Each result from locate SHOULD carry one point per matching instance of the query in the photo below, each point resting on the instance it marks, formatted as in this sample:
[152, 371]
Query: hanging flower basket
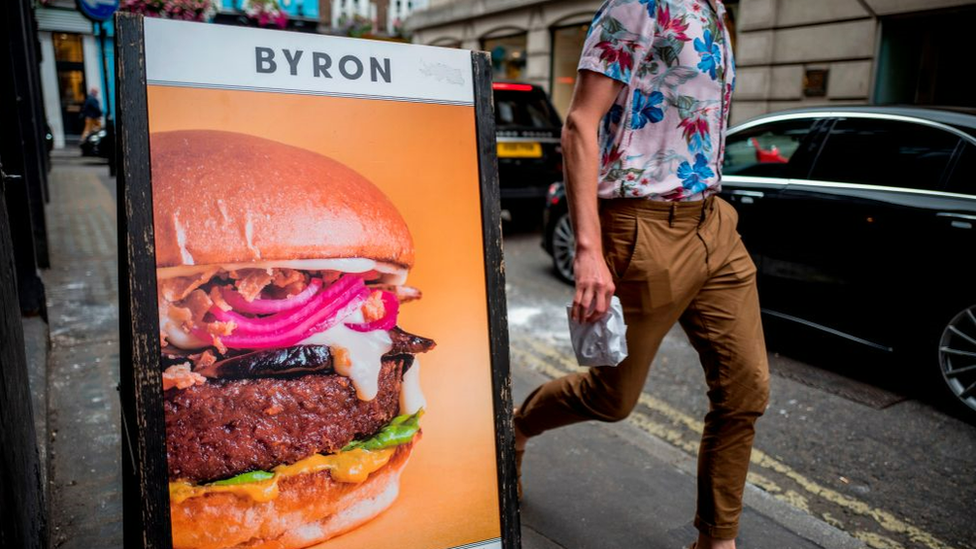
[186, 10]
[266, 13]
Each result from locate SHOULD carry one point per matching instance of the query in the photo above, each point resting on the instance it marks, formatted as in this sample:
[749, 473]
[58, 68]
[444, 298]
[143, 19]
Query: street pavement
[839, 463]
[848, 439]
[85, 477]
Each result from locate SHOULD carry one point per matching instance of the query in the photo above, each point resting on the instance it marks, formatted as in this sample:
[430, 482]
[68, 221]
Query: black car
[529, 155]
[557, 232]
[861, 221]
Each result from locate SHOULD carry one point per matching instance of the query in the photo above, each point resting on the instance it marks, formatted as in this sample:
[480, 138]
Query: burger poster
[324, 347]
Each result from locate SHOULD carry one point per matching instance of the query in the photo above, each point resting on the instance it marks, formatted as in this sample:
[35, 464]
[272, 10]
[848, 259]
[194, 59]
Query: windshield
[524, 109]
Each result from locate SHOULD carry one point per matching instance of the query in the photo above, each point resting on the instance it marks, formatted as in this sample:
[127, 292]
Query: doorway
[69, 60]
[923, 59]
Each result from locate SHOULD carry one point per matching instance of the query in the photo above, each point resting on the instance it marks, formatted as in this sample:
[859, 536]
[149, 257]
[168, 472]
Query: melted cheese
[365, 351]
[411, 396]
[353, 466]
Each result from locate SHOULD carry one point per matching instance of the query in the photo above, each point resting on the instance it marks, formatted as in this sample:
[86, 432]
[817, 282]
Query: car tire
[562, 243]
[956, 347]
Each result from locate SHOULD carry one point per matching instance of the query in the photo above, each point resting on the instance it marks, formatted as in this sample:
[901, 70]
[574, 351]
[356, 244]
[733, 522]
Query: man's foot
[708, 542]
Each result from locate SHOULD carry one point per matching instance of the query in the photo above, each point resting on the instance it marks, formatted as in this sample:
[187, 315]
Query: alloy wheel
[957, 356]
[563, 248]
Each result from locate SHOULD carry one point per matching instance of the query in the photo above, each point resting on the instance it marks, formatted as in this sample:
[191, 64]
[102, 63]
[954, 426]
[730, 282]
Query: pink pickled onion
[391, 306]
[286, 319]
[351, 297]
[268, 306]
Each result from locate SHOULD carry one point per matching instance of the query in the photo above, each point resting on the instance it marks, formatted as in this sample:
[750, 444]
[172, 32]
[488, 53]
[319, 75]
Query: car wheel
[957, 357]
[563, 248]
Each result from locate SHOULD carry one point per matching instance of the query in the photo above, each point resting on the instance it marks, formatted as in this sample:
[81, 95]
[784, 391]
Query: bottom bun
[310, 508]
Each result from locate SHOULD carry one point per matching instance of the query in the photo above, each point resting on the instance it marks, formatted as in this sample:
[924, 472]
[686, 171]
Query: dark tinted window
[963, 179]
[885, 152]
[525, 109]
[764, 150]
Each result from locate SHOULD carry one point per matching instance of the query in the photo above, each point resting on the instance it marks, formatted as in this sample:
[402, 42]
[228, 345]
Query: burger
[292, 397]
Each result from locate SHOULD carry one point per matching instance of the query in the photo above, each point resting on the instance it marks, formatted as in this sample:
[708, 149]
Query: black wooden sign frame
[146, 500]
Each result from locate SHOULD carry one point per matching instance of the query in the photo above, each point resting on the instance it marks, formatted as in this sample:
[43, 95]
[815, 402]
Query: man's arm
[592, 98]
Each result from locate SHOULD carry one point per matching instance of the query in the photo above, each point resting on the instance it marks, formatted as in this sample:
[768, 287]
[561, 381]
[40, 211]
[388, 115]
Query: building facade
[73, 62]
[74, 57]
[790, 53]
[386, 16]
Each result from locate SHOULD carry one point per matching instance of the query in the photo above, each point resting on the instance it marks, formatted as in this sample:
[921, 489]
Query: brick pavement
[83, 405]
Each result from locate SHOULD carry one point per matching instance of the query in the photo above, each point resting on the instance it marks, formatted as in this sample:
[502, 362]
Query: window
[765, 150]
[523, 109]
[507, 56]
[567, 43]
[963, 178]
[885, 152]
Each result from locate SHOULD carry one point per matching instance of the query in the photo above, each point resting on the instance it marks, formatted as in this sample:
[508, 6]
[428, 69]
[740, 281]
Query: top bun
[223, 197]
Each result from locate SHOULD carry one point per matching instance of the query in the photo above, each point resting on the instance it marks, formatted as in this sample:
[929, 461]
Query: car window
[885, 152]
[963, 178]
[524, 109]
[765, 150]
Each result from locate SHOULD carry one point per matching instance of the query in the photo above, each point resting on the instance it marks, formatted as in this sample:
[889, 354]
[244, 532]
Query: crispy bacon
[218, 299]
[177, 288]
[286, 277]
[251, 282]
[181, 377]
[374, 309]
[204, 360]
[219, 329]
[404, 293]
[198, 302]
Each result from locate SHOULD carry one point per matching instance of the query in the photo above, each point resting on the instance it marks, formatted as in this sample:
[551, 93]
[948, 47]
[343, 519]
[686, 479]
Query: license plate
[522, 149]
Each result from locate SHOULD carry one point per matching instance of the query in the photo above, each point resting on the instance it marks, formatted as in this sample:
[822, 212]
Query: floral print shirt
[664, 137]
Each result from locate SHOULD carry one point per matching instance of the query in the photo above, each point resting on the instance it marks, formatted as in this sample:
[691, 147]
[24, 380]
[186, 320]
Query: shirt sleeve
[619, 37]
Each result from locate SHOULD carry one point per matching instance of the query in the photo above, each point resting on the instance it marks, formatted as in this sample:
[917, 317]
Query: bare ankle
[520, 438]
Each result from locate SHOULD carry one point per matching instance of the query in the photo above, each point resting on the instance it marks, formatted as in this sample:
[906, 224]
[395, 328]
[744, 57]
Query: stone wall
[779, 40]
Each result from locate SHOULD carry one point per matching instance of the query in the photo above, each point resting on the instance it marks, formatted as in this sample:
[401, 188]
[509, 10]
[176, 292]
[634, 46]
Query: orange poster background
[424, 157]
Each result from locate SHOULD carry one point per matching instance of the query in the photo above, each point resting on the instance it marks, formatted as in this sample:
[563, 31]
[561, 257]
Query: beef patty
[227, 427]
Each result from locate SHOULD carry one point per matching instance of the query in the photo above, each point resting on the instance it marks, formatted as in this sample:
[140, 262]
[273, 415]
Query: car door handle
[754, 194]
[959, 221]
[747, 197]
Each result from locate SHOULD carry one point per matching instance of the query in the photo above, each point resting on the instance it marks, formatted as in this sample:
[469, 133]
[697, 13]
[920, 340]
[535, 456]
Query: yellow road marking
[561, 364]
[877, 541]
[767, 485]
[833, 521]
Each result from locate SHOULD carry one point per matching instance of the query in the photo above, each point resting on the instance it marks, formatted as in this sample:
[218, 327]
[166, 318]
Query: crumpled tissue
[600, 343]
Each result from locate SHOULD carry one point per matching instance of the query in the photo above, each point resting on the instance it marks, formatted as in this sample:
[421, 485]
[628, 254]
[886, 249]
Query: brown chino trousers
[684, 262]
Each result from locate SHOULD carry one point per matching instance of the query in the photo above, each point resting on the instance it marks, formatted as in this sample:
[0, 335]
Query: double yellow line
[549, 361]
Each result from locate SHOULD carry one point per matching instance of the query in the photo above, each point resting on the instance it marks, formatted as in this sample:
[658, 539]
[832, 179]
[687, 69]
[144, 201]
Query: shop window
[69, 60]
[567, 43]
[507, 56]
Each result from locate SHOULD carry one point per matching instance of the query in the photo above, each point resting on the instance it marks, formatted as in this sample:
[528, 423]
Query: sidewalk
[589, 486]
[609, 486]
[85, 477]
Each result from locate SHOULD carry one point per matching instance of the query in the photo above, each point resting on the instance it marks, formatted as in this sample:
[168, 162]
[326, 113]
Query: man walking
[91, 110]
[643, 142]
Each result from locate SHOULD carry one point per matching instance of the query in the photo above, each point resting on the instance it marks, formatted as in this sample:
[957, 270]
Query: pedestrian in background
[91, 111]
[643, 143]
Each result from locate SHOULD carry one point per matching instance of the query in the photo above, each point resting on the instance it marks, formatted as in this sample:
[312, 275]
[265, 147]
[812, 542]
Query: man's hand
[594, 287]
